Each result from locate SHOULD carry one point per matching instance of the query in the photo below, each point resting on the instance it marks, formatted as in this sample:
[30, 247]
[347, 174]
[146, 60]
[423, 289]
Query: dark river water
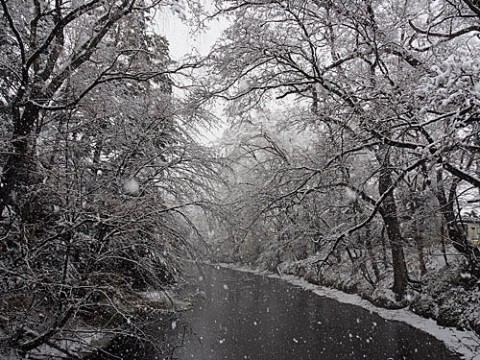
[244, 316]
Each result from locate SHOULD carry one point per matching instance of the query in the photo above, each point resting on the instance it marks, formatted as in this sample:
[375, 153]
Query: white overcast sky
[184, 39]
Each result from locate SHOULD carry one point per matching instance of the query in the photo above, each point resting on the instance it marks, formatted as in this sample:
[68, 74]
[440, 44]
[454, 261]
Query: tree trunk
[392, 226]
[417, 237]
[384, 249]
[443, 236]
[18, 171]
[420, 250]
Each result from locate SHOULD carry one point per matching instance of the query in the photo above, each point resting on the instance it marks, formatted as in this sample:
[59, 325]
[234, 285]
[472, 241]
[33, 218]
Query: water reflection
[244, 316]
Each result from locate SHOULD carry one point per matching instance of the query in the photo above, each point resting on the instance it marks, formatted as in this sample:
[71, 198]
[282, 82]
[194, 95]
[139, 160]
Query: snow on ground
[466, 343]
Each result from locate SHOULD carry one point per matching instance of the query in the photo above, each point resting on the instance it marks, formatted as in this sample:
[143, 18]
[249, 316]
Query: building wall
[473, 231]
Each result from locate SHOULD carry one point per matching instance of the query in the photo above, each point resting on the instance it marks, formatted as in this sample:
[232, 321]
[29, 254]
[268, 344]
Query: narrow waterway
[245, 316]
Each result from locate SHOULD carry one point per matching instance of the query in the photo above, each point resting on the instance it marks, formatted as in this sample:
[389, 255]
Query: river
[240, 315]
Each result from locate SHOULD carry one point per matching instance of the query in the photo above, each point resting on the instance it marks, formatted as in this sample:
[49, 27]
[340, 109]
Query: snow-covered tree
[379, 76]
[99, 169]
